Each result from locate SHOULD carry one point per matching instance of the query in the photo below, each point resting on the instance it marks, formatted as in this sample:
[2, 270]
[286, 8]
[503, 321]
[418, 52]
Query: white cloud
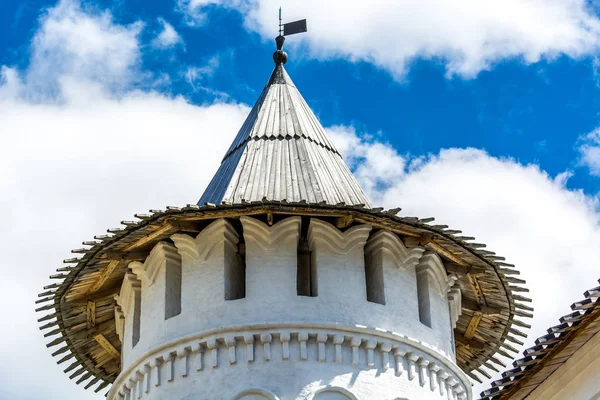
[550, 232]
[467, 35]
[589, 151]
[91, 47]
[168, 36]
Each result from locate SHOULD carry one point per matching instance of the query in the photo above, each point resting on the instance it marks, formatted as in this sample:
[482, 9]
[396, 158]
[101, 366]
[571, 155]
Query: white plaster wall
[578, 378]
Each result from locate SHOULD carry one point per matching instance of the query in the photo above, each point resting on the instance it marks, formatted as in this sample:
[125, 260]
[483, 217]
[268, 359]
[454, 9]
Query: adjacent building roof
[550, 351]
[283, 153]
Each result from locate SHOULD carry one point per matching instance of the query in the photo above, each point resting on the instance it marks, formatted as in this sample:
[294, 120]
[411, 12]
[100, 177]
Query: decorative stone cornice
[431, 264]
[201, 248]
[388, 242]
[321, 233]
[163, 255]
[119, 321]
[455, 302]
[131, 285]
[412, 361]
[270, 238]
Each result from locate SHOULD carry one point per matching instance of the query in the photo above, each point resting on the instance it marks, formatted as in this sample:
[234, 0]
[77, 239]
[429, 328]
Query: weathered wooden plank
[104, 275]
[472, 327]
[91, 314]
[106, 345]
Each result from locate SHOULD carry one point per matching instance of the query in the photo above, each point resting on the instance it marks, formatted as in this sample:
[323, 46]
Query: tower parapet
[369, 313]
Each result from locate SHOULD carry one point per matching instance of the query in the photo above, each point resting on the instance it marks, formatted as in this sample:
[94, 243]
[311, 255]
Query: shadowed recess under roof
[283, 153]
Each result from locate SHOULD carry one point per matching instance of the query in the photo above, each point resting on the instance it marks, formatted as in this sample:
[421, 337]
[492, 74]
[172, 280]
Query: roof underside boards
[550, 351]
[283, 153]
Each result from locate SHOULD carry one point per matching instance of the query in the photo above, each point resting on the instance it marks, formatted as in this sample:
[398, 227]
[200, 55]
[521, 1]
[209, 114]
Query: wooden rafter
[106, 345]
[473, 324]
[104, 275]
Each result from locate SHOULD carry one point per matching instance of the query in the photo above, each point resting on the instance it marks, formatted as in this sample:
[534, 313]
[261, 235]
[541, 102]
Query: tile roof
[550, 351]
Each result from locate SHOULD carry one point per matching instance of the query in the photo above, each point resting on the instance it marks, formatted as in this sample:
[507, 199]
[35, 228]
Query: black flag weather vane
[291, 28]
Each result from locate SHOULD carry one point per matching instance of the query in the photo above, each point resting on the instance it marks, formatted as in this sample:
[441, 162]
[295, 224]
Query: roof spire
[281, 152]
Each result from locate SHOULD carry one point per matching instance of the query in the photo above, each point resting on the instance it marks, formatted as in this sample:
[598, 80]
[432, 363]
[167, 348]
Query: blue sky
[482, 115]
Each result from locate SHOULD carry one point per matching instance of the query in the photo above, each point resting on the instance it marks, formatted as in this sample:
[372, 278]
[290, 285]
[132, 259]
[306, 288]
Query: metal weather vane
[291, 28]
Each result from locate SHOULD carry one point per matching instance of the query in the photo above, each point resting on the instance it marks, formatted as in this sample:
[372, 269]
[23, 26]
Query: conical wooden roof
[282, 153]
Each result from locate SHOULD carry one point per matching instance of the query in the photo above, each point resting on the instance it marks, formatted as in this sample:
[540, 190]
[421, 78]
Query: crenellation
[278, 244]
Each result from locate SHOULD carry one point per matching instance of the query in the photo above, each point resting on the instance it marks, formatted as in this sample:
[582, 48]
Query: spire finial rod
[291, 28]
[280, 23]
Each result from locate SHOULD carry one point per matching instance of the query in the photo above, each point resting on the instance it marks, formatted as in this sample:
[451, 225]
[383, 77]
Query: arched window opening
[256, 394]
[334, 394]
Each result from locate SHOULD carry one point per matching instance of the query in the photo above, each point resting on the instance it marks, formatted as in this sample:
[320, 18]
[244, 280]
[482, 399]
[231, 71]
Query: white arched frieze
[163, 256]
[283, 234]
[337, 260]
[433, 285]
[129, 301]
[199, 249]
[390, 272]
[455, 303]
[163, 265]
[389, 243]
[213, 270]
[271, 259]
[325, 236]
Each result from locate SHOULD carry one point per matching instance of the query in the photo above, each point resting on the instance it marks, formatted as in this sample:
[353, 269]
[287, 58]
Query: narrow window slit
[306, 278]
[374, 279]
[172, 290]
[235, 274]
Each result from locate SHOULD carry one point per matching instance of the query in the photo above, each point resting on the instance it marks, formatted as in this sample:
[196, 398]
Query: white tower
[282, 283]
